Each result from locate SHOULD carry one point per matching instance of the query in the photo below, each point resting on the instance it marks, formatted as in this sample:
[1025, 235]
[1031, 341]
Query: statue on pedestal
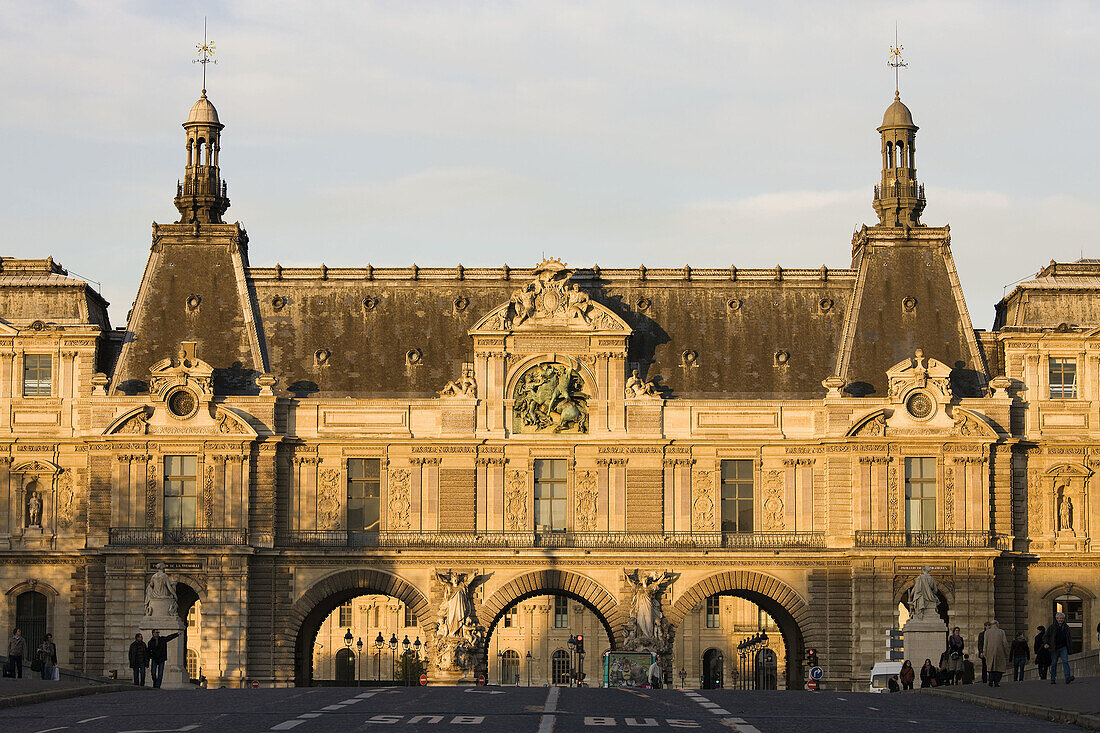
[160, 595]
[458, 635]
[650, 630]
[922, 596]
[34, 510]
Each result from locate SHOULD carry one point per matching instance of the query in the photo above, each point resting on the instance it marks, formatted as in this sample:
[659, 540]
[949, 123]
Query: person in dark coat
[47, 655]
[17, 649]
[1042, 654]
[1057, 640]
[927, 674]
[908, 674]
[139, 660]
[158, 655]
[955, 646]
[981, 651]
[1021, 655]
[968, 670]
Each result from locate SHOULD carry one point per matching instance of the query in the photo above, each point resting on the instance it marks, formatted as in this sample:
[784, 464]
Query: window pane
[364, 491]
[37, 375]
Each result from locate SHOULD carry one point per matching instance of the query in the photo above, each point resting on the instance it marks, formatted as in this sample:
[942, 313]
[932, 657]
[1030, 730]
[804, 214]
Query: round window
[920, 406]
[182, 403]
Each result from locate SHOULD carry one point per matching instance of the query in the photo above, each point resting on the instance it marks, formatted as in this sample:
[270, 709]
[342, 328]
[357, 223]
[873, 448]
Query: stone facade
[466, 439]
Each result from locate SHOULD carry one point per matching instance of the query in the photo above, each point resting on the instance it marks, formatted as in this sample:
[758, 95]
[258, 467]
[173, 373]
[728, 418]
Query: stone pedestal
[925, 638]
[175, 668]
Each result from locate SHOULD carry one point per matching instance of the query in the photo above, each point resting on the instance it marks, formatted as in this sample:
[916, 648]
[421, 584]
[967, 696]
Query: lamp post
[393, 656]
[348, 639]
[359, 649]
[528, 667]
[379, 642]
[500, 667]
[405, 660]
[416, 650]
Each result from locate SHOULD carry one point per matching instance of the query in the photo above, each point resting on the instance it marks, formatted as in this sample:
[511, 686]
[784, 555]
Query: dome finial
[205, 50]
[897, 63]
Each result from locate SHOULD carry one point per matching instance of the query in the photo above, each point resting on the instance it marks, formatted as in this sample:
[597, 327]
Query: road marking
[875, 709]
[47, 730]
[350, 701]
[546, 722]
[332, 707]
[89, 720]
[287, 724]
[738, 724]
[484, 692]
[163, 730]
[720, 711]
[842, 698]
[310, 715]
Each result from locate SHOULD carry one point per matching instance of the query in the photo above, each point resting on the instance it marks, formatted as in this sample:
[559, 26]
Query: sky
[617, 132]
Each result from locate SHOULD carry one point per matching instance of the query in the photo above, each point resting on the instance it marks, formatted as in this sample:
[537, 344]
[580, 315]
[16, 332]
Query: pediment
[1069, 470]
[600, 318]
[6, 329]
[911, 374]
[37, 466]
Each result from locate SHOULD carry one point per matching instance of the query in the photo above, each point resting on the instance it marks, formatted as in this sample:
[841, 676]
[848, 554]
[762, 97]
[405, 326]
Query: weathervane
[205, 50]
[896, 62]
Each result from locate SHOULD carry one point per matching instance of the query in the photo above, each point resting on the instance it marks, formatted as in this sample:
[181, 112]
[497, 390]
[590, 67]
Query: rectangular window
[737, 496]
[37, 375]
[920, 494]
[180, 492]
[1063, 379]
[713, 617]
[511, 618]
[410, 618]
[364, 494]
[345, 615]
[550, 495]
[561, 612]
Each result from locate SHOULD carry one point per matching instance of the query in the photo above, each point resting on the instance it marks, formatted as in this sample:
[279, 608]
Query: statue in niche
[464, 386]
[922, 596]
[1065, 514]
[160, 594]
[34, 509]
[549, 398]
[637, 387]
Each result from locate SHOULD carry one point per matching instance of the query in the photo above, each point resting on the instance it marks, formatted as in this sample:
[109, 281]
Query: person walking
[968, 670]
[1021, 655]
[158, 655]
[927, 674]
[981, 651]
[47, 657]
[17, 649]
[655, 674]
[1057, 640]
[1042, 654]
[996, 652]
[139, 659]
[907, 675]
[955, 646]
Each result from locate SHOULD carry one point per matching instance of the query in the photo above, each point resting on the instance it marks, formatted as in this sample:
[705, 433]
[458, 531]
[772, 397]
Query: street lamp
[528, 667]
[416, 648]
[500, 667]
[405, 659]
[379, 642]
[348, 639]
[359, 649]
[393, 656]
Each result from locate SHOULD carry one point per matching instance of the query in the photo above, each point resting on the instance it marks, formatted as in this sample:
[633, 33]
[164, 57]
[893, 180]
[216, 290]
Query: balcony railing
[925, 538]
[144, 536]
[551, 540]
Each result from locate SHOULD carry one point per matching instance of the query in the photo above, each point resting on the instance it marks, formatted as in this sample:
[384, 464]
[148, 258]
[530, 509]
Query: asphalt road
[513, 710]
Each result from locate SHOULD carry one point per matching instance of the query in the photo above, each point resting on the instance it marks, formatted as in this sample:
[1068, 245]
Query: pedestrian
[17, 649]
[1042, 654]
[158, 655]
[47, 657]
[942, 675]
[655, 674]
[996, 652]
[981, 651]
[139, 659]
[955, 646]
[1021, 655]
[907, 675]
[968, 670]
[892, 684]
[927, 674]
[1057, 640]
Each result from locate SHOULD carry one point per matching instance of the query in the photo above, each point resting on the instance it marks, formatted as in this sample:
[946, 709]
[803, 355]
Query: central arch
[323, 597]
[786, 607]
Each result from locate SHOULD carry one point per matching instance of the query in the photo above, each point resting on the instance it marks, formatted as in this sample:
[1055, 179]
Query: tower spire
[899, 199]
[202, 197]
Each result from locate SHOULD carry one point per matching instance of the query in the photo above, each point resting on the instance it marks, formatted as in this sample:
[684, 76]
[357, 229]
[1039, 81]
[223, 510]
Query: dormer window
[1063, 379]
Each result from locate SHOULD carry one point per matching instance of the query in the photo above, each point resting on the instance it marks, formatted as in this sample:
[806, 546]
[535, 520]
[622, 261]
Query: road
[513, 710]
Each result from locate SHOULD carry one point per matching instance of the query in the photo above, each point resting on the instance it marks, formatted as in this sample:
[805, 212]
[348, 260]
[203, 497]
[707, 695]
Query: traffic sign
[811, 685]
[481, 679]
[423, 679]
[816, 673]
[255, 684]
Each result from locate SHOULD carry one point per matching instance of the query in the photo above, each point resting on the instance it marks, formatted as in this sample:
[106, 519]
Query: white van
[881, 674]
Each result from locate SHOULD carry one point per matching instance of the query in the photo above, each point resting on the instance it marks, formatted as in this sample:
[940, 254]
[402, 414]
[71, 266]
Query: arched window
[889, 155]
[198, 150]
[1072, 606]
[509, 667]
[559, 667]
[30, 618]
[192, 664]
[901, 154]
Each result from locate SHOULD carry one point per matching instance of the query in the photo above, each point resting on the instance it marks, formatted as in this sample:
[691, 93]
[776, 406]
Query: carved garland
[328, 504]
[208, 495]
[151, 497]
[515, 501]
[702, 505]
[66, 499]
[892, 497]
[399, 498]
[948, 498]
[586, 495]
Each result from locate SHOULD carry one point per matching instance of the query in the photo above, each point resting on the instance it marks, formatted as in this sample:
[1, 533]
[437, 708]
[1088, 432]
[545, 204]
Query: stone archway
[786, 607]
[314, 606]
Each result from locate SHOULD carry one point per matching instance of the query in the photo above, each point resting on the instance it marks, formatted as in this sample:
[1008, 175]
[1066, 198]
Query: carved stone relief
[586, 493]
[399, 499]
[328, 503]
[948, 498]
[151, 496]
[702, 504]
[892, 502]
[773, 501]
[550, 398]
[66, 499]
[208, 495]
[515, 501]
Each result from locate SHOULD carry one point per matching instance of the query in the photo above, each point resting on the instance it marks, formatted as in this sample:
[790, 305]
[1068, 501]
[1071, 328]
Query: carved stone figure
[636, 387]
[549, 398]
[160, 595]
[922, 596]
[34, 510]
[457, 606]
[577, 304]
[1065, 514]
[523, 304]
[647, 590]
[464, 386]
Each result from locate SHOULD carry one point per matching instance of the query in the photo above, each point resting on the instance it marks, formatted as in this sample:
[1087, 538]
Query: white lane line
[738, 724]
[871, 708]
[546, 722]
[720, 711]
[365, 695]
[89, 720]
[333, 707]
[47, 730]
[350, 701]
[310, 715]
[842, 698]
[163, 730]
[287, 724]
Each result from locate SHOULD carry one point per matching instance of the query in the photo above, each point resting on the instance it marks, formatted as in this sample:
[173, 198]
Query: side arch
[313, 607]
[549, 582]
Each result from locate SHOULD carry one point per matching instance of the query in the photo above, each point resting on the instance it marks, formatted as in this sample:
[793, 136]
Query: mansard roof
[1060, 294]
[42, 290]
